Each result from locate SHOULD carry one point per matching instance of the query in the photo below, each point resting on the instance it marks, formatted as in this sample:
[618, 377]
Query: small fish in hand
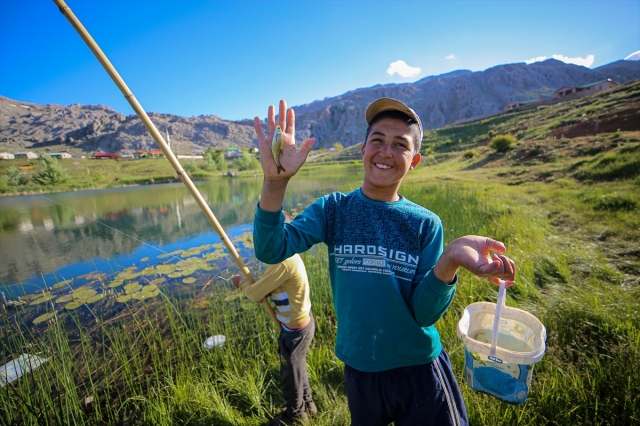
[276, 147]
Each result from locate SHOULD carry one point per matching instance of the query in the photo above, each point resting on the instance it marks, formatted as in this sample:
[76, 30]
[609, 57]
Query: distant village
[230, 153]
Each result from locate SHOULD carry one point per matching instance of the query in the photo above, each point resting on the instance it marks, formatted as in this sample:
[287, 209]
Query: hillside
[439, 100]
[81, 129]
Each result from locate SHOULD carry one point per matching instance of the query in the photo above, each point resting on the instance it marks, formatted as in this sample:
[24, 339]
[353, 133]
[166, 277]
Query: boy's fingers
[282, 115]
[495, 245]
[257, 125]
[291, 122]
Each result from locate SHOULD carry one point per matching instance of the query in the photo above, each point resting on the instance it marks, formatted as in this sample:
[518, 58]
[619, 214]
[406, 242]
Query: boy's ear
[415, 161]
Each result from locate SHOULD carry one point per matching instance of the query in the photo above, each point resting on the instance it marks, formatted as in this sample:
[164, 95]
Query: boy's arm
[272, 278]
[430, 297]
[276, 241]
[276, 178]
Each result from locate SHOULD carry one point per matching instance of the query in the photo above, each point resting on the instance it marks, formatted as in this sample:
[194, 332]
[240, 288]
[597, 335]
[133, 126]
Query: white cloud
[586, 62]
[402, 69]
[449, 56]
[635, 56]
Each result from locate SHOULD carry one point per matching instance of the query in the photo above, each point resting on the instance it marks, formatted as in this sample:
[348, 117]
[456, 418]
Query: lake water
[49, 239]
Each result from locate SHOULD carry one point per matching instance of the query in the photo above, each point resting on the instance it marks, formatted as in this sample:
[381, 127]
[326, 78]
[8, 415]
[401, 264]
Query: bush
[470, 153]
[213, 161]
[247, 162]
[51, 172]
[190, 166]
[15, 178]
[502, 143]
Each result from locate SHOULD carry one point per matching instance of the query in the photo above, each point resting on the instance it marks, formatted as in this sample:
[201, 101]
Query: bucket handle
[496, 320]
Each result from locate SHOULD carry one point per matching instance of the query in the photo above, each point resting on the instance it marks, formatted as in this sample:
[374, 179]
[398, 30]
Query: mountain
[439, 100]
[444, 99]
[94, 128]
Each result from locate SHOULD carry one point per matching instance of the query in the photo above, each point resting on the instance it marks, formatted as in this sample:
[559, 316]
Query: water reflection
[53, 237]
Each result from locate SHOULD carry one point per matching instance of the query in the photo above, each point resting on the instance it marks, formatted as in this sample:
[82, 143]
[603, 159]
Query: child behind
[288, 286]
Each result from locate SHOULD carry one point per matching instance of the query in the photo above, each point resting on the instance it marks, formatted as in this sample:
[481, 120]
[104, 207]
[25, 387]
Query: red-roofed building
[106, 156]
[155, 153]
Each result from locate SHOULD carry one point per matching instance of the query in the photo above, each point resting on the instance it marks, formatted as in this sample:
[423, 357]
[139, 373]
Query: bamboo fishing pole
[102, 58]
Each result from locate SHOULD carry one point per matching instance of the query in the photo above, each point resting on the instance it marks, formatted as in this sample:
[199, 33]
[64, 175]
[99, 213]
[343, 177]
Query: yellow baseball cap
[390, 104]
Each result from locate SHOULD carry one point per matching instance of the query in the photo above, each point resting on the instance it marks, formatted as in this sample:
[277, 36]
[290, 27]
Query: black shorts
[426, 394]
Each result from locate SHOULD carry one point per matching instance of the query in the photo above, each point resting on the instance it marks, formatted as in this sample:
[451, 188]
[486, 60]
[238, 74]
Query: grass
[150, 367]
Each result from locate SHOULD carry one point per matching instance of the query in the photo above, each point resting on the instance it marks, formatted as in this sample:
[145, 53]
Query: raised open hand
[478, 255]
[291, 159]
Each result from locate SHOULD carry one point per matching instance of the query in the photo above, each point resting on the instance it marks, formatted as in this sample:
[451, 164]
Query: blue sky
[235, 58]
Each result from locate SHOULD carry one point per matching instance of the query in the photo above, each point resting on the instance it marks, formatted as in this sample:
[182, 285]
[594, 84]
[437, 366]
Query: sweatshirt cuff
[269, 218]
[438, 287]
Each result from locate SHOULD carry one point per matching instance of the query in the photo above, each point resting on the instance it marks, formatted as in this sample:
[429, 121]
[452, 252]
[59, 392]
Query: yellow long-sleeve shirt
[289, 287]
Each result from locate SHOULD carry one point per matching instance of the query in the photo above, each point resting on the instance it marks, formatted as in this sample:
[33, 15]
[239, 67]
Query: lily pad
[84, 294]
[115, 283]
[214, 255]
[74, 305]
[132, 288]
[144, 259]
[62, 283]
[165, 269]
[65, 298]
[189, 280]
[124, 298]
[44, 317]
[142, 295]
[95, 298]
[149, 288]
[174, 275]
[148, 271]
[163, 255]
[42, 298]
[157, 281]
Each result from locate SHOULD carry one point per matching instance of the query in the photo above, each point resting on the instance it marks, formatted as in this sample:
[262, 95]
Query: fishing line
[113, 229]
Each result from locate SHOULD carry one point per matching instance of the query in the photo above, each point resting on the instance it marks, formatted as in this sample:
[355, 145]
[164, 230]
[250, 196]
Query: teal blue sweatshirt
[381, 259]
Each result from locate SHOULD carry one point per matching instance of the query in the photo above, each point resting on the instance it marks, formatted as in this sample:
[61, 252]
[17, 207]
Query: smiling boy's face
[388, 155]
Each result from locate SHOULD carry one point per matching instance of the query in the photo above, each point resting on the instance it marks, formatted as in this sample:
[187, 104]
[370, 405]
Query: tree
[15, 178]
[247, 162]
[51, 172]
[503, 143]
[338, 146]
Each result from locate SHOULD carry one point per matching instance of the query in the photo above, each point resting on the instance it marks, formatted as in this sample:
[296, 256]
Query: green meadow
[565, 200]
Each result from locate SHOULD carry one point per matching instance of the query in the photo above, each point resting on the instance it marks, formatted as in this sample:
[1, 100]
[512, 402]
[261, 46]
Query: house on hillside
[587, 89]
[514, 105]
[60, 155]
[139, 154]
[155, 153]
[106, 156]
[6, 156]
[28, 155]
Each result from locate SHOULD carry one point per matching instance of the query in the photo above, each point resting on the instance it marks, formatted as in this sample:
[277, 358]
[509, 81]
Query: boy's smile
[387, 156]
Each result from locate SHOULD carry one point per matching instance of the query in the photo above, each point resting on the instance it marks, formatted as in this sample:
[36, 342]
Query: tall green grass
[149, 366]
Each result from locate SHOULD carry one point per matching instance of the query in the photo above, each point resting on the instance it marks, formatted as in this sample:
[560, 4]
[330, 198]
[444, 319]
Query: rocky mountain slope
[95, 128]
[439, 100]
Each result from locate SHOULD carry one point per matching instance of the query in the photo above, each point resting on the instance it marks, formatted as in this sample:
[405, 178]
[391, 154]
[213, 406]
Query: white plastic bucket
[501, 346]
